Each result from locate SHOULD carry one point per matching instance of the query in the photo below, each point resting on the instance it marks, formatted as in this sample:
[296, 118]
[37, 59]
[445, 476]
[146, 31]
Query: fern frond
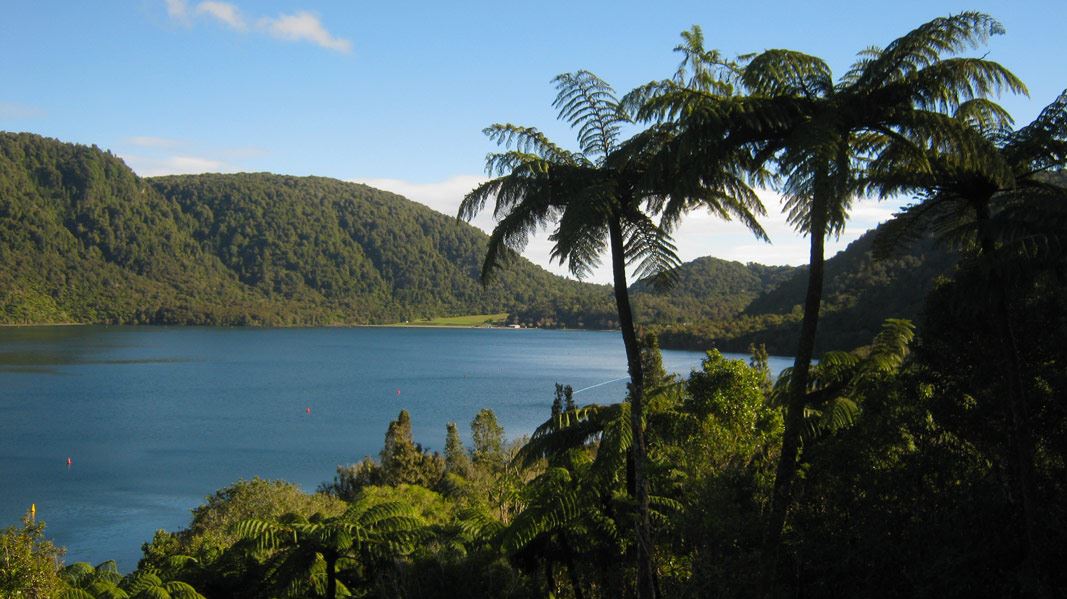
[588, 103]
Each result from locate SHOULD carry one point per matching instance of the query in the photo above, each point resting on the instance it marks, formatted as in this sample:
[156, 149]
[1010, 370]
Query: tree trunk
[572, 569]
[782, 495]
[331, 575]
[645, 573]
[1020, 441]
[550, 578]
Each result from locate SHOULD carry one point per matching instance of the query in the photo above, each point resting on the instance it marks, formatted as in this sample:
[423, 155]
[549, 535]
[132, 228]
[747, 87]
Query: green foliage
[488, 438]
[402, 462]
[28, 562]
[210, 530]
[860, 291]
[105, 582]
[405, 462]
[223, 265]
[909, 482]
[298, 549]
[83, 239]
[456, 459]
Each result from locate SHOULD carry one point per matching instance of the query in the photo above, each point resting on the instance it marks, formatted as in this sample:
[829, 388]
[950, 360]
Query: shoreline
[47, 324]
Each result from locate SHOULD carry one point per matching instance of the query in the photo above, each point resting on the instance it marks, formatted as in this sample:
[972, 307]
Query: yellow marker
[33, 511]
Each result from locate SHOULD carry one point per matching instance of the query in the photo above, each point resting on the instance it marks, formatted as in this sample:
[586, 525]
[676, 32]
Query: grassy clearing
[472, 320]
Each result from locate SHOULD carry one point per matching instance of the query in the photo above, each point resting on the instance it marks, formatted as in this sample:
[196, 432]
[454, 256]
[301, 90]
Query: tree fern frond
[946, 84]
[527, 140]
[926, 44]
[787, 73]
[652, 250]
[588, 103]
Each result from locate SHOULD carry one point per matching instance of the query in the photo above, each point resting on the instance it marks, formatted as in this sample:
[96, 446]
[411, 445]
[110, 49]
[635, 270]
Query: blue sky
[396, 94]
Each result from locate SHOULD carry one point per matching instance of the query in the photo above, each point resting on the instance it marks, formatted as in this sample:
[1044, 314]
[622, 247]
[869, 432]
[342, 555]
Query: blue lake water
[155, 419]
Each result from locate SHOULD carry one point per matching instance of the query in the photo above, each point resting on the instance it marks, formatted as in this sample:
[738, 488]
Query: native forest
[916, 448]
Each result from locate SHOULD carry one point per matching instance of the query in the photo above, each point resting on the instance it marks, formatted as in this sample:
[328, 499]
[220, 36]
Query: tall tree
[821, 135]
[595, 198]
[1003, 204]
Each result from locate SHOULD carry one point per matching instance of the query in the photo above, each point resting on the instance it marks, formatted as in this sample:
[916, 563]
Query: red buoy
[69, 461]
[398, 391]
[309, 410]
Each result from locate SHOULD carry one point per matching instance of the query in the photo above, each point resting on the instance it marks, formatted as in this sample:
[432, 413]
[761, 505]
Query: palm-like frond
[788, 73]
[923, 47]
[368, 528]
[582, 228]
[571, 429]
[1041, 145]
[588, 103]
[838, 382]
[72, 593]
[527, 140]
[651, 249]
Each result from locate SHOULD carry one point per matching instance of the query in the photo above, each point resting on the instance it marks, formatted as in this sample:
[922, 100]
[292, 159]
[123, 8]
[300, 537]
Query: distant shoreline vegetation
[86, 241]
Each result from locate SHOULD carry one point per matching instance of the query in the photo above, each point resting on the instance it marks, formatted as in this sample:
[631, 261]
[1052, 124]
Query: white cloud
[301, 26]
[178, 10]
[445, 197]
[150, 166]
[149, 141]
[13, 111]
[304, 26]
[224, 12]
[700, 234]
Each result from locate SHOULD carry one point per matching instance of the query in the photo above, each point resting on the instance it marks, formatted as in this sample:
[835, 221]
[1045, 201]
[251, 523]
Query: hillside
[708, 288]
[83, 239]
[859, 293]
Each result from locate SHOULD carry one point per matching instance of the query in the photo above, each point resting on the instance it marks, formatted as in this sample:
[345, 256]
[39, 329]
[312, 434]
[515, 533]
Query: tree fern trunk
[782, 495]
[331, 576]
[1020, 441]
[572, 568]
[645, 585]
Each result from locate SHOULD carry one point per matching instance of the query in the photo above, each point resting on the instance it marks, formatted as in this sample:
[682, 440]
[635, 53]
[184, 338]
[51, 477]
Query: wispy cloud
[301, 26]
[700, 234]
[703, 234]
[9, 110]
[151, 166]
[178, 10]
[304, 26]
[223, 12]
[149, 141]
[445, 197]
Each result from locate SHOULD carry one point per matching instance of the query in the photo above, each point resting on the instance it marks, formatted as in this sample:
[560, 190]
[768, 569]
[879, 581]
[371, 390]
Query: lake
[154, 419]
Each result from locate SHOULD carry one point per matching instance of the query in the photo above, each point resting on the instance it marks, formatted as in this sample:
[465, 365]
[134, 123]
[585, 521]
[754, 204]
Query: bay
[154, 419]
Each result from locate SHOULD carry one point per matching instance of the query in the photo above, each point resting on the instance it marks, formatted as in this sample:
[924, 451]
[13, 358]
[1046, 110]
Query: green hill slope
[859, 293]
[707, 289]
[83, 239]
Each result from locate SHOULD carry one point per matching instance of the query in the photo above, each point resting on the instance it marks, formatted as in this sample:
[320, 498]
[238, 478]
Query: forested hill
[860, 292]
[708, 288]
[83, 239]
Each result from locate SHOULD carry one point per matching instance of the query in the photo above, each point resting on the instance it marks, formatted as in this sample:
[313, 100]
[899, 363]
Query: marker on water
[69, 461]
[308, 410]
[398, 392]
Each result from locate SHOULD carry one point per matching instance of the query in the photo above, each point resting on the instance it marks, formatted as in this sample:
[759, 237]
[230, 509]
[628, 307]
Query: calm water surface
[155, 419]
